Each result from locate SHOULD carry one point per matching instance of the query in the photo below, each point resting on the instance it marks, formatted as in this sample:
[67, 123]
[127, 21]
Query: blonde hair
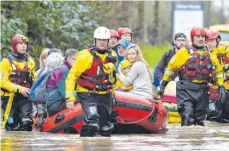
[43, 56]
[139, 57]
[54, 60]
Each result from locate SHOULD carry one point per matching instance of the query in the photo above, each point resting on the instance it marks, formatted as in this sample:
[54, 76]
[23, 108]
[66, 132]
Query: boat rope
[121, 121]
[7, 110]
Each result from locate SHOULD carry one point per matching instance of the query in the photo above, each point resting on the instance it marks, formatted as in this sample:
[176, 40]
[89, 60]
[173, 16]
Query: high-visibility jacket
[180, 60]
[15, 74]
[84, 66]
[222, 53]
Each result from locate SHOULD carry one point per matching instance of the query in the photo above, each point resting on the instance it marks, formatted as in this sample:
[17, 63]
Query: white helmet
[102, 33]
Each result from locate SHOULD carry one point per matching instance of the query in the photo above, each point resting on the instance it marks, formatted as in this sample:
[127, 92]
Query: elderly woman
[56, 82]
[54, 60]
[139, 75]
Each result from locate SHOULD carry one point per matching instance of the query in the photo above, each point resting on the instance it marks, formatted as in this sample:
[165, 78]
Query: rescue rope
[8, 108]
[121, 121]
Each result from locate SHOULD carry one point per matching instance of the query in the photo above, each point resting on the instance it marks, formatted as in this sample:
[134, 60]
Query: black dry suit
[193, 97]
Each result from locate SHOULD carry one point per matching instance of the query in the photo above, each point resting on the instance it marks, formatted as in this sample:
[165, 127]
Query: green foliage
[49, 24]
[153, 54]
[10, 27]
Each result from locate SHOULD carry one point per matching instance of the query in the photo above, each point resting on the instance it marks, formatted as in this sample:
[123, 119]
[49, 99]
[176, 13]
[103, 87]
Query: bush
[153, 54]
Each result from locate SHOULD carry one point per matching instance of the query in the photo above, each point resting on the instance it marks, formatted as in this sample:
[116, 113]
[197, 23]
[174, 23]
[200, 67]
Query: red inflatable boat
[131, 114]
[169, 98]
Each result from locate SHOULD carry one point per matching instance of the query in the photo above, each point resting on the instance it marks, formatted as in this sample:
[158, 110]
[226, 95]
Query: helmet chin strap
[198, 47]
[101, 51]
[217, 42]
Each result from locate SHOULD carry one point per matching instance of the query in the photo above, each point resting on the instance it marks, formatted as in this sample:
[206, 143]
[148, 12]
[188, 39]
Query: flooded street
[214, 136]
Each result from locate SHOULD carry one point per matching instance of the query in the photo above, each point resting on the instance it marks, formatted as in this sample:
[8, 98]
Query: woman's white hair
[54, 60]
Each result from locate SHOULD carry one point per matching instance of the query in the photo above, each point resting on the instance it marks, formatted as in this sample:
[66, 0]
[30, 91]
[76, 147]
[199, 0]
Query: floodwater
[214, 136]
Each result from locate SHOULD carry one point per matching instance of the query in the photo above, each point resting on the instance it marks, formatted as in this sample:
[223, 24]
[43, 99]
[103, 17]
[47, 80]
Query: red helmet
[17, 39]
[124, 30]
[197, 31]
[213, 34]
[114, 33]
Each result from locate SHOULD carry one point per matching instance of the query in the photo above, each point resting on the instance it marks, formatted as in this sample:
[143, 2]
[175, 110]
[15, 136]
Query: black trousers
[56, 107]
[218, 111]
[192, 101]
[97, 111]
[226, 106]
[20, 111]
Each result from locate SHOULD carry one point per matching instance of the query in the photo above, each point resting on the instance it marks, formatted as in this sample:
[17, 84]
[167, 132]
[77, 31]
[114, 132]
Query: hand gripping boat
[131, 113]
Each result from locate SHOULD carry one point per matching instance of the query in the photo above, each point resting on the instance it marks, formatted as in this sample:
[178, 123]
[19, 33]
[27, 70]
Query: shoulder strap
[190, 50]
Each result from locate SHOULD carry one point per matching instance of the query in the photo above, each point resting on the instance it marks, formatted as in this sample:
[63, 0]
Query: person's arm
[218, 69]
[176, 62]
[82, 63]
[6, 70]
[59, 75]
[128, 79]
[227, 51]
[32, 66]
[161, 66]
[219, 77]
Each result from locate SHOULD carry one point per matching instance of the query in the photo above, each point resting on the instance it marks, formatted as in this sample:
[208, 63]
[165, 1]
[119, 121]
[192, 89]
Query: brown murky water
[213, 136]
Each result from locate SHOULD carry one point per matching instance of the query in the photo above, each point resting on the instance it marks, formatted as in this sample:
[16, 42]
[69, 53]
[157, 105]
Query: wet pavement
[214, 137]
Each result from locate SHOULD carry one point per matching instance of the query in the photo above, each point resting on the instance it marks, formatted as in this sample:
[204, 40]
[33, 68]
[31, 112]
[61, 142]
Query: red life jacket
[197, 67]
[95, 79]
[20, 76]
[224, 61]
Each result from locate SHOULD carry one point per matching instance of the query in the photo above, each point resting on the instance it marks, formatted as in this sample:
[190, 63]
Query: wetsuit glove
[222, 93]
[162, 88]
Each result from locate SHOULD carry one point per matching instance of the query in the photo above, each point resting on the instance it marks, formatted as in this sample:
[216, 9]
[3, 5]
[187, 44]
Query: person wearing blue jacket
[120, 49]
[56, 83]
[180, 41]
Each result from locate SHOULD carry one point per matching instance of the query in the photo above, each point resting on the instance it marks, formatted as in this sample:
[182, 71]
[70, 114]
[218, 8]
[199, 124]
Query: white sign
[186, 16]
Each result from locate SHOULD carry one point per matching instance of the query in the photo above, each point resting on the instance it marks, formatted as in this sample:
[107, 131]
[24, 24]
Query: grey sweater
[140, 78]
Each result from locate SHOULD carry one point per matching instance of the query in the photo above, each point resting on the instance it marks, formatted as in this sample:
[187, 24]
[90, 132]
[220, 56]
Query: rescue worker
[180, 41]
[219, 109]
[125, 33]
[17, 76]
[94, 74]
[195, 66]
[114, 38]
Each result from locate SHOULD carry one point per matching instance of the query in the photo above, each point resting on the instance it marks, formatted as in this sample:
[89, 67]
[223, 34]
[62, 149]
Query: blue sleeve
[160, 68]
[60, 77]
